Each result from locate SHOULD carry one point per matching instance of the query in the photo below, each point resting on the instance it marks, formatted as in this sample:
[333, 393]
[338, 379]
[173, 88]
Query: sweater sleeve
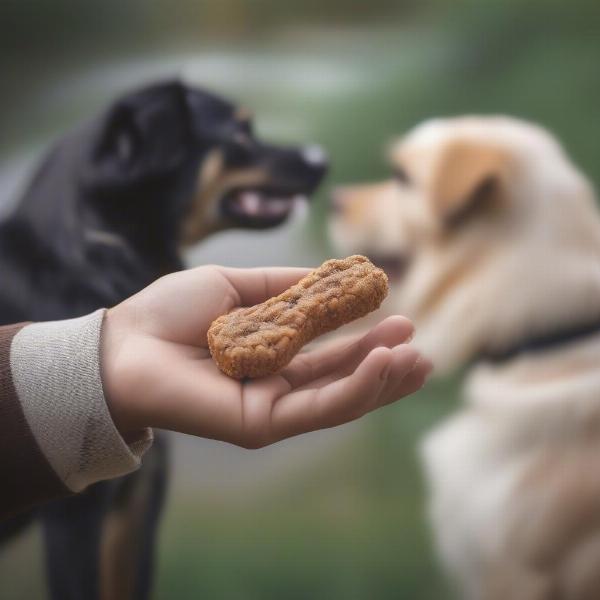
[56, 433]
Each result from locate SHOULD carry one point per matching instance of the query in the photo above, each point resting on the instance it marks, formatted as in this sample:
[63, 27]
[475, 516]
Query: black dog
[106, 213]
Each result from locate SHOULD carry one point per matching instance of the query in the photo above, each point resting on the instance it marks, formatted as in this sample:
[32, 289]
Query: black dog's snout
[317, 163]
[295, 169]
[310, 166]
[315, 156]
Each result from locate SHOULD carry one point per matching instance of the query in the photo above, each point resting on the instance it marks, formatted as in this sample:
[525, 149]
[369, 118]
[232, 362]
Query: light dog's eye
[401, 176]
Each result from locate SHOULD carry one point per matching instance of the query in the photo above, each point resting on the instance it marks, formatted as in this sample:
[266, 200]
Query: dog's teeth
[254, 204]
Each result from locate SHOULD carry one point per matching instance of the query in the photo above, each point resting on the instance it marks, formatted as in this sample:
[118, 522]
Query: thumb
[256, 285]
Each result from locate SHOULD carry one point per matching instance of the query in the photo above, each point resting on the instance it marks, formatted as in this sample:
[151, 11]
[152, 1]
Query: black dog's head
[173, 154]
[113, 202]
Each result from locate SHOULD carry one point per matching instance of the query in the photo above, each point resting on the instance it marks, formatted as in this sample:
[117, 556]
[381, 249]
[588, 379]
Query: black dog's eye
[124, 147]
[401, 175]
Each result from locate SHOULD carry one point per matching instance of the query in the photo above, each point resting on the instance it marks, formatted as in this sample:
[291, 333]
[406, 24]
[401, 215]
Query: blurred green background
[334, 514]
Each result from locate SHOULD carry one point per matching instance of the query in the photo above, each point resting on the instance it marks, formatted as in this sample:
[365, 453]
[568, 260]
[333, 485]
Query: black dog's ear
[143, 136]
[211, 116]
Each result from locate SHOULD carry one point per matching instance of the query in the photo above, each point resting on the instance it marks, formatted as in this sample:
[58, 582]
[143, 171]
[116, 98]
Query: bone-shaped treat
[262, 339]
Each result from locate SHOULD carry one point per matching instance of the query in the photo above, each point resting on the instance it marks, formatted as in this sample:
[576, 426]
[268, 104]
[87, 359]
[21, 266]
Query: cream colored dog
[491, 237]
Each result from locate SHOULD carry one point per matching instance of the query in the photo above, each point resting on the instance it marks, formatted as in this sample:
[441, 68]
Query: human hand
[157, 370]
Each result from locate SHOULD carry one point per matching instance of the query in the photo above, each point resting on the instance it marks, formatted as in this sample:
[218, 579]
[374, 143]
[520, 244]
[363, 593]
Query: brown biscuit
[262, 339]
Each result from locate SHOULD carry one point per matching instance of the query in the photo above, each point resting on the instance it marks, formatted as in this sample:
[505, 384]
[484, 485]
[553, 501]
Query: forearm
[56, 433]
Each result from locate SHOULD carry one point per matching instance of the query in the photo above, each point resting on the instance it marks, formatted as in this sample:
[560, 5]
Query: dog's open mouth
[395, 266]
[260, 207]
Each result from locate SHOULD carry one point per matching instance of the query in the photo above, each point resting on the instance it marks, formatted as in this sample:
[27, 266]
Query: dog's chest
[471, 473]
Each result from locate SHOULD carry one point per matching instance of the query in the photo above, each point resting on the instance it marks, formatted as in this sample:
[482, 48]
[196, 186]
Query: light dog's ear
[468, 178]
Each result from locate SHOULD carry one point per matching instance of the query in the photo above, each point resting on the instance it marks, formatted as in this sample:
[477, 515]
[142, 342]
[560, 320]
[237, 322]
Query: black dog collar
[542, 343]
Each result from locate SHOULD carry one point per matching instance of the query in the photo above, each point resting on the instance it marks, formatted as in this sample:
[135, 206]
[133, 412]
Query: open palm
[158, 372]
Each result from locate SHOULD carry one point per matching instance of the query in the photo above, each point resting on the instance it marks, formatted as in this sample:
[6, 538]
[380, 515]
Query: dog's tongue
[250, 203]
[255, 204]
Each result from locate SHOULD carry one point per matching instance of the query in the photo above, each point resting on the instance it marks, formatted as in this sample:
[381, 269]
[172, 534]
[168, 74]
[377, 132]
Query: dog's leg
[129, 531]
[14, 526]
[100, 544]
[72, 528]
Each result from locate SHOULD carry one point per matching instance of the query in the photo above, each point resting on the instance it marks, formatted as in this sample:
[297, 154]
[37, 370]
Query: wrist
[114, 367]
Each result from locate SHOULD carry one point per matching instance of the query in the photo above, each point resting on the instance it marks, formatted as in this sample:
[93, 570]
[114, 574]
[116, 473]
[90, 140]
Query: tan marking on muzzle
[213, 181]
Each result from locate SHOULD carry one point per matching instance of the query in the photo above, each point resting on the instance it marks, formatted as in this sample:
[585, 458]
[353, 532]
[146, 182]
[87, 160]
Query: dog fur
[491, 237]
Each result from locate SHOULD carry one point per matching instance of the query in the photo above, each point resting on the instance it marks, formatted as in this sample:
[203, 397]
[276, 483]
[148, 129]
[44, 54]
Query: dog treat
[262, 339]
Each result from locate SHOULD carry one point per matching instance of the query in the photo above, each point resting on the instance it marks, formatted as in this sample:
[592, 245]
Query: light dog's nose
[315, 155]
[339, 199]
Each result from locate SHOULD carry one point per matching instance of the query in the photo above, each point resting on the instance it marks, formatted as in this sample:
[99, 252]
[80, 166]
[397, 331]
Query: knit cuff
[56, 374]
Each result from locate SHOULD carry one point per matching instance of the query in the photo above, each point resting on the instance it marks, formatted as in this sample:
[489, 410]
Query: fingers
[390, 332]
[190, 395]
[373, 383]
[398, 387]
[256, 285]
[345, 354]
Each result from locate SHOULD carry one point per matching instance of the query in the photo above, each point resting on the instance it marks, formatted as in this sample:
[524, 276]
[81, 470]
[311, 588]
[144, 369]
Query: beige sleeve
[26, 478]
[55, 370]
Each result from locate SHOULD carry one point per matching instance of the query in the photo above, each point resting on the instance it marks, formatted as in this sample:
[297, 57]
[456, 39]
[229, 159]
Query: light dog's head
[487, 230]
